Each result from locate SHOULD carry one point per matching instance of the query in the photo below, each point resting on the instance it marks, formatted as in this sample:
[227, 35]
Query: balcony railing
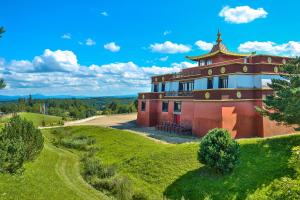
[179, 93]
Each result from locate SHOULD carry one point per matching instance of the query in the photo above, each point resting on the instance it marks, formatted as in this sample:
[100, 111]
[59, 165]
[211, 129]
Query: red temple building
[221, 91]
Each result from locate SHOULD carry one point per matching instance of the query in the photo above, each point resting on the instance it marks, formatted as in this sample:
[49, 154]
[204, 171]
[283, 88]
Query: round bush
[219, 151]
[20, 141]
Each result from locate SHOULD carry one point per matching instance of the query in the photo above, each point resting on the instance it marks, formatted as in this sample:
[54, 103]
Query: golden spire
[219, 40]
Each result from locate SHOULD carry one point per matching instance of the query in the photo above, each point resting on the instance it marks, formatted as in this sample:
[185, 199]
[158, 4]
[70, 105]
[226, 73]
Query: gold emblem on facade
[269, 59]
[155, 79]
[238, 94]
[276, 69]
[245, 68]
[160, 96]
[284, 61]
[163, 78]
[207, 95]
[143, 96]
[222, 70]
[209, 72]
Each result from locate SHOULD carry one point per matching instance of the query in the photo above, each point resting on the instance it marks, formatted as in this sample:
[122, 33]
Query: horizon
[100, 48]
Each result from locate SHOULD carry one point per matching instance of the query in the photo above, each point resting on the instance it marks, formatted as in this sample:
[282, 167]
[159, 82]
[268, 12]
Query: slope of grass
[36, 118]
[173, 171]
[54, 175]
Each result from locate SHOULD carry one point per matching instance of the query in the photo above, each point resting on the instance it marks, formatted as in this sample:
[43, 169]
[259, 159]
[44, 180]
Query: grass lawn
[54, 175]
[173, 170]
[36, 118]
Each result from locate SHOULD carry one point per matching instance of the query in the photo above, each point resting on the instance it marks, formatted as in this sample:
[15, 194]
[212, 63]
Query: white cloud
[49, 61]
[112, 46]
[104, 13]
[242, 14]
[291, 48]
[90, 42]
[66, 36]
[164, 58]
[167, 32]
[205, 46]
[58, 72]
[169, 47]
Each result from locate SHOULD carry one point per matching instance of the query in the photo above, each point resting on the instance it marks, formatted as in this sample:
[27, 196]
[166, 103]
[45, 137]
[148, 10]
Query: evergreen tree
[2, 83]
[284, 105]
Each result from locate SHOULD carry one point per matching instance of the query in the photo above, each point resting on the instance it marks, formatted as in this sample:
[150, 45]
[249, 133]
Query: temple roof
[219, 47]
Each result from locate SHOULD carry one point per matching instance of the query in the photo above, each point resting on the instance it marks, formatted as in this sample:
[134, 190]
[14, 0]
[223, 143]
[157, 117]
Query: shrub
[20, 141]
[123, 188]
[139, 196]
[219, 151]
[294, 161]
[78, 142]
[284, 188]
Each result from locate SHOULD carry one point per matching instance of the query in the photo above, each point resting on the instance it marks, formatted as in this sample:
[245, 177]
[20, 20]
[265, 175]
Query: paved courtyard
[128, 122]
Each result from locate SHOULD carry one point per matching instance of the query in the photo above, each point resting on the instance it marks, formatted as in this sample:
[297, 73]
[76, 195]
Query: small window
[223, 82]
[163, 87]
[209, 62]
[201, 62]
[210, 84]
[177, 106]
[155, 88]
[143, 107]
[165, 106]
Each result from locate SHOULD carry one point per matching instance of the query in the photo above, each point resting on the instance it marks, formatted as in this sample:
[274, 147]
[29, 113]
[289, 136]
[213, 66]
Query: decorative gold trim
[209, 72]
[238, 94]
[269, 60]
[155, 79]
[223, 70]
[276, 70]
[160, 96]
[196, 58]
[245, 69]
[284, 61]
[207, 95]
[143, 96]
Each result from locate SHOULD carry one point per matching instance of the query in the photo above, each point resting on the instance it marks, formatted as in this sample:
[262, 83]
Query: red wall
[238, 117]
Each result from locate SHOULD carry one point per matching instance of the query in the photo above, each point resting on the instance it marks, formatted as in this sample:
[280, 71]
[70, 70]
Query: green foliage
[20, 141]
[284, 105]
[294, 161]
[123, 188]
[219, 151]
[78, 142]
[2, 30]
[2, 84]
[284, 188]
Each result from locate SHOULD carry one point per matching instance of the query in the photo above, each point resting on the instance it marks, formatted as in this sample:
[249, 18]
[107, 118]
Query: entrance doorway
[176, 118]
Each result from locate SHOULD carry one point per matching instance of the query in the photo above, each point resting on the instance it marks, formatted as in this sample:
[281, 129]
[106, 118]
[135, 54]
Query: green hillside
[173, 170]
[54, 175]
[36, 118]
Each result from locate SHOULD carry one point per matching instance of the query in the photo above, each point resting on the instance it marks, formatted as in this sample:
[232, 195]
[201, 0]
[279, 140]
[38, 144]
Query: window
[209, 62]
[165, 106]
[201, 62]
[177, 106]
[223, 82]
[210, 83]
[163, 87]
[186, 86]
[155, 88]
[143, 107]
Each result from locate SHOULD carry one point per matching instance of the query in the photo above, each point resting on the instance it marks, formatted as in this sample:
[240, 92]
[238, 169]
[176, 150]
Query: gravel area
[128, 122]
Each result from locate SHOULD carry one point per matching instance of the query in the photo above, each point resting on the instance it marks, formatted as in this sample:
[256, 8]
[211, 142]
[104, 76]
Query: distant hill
[40, 96]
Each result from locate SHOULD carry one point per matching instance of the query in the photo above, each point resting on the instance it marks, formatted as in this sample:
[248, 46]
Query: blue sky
[110, 47]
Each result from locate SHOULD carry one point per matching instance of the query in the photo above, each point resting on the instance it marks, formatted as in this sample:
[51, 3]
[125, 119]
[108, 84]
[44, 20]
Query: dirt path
[67, 168]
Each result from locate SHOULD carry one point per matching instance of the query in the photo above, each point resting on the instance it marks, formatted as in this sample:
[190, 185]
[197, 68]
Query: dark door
[176, 119]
